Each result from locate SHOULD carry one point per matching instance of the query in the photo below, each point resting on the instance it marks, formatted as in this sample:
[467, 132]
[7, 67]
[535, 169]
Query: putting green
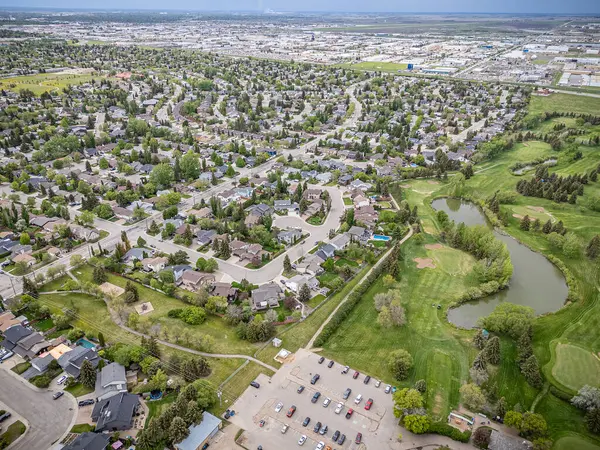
[575, 367]
[572, 443]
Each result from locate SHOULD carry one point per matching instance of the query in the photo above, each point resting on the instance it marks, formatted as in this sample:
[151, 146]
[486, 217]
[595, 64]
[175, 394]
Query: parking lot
[377, 425]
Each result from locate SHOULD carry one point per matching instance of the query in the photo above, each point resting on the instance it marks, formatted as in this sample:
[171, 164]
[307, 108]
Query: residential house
[122, 213]
[360, 201]
[311, 264]
[110, 381]
[7, 320]
[366, 215]
[24, 342]
[71, 361]
[115, 413]
[200, 435]
[89, 441]
[205, 237]
[362, 185]
[290, 236]
[137, 254]
[19, 249]
[326, 251]
[295, 283]
[24, 257]
[324, 177]
[193, 280]
[178, 271]
[285, 205]
[267, 295]
[225, 290]
[359, 234]
[86, 234]
[340, 241]
[345, 180]
[154, 264]
[39, 365]
[312, 194]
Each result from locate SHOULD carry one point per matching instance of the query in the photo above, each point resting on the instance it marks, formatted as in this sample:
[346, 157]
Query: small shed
[277, 342]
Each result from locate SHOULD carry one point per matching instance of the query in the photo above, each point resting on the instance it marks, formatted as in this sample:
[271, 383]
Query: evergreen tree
[479, 340]
[491, 351]
[547, 228]
[304, 294]
[592, 420]
[99, 275]
[131, 293]
[524, 225]
[87, 374]
[178, 430]
[593, 248]
[501, 407]
[531, 372]
[287, 265]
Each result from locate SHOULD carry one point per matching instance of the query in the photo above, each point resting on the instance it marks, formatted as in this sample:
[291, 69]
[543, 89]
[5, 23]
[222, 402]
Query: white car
[326, 402]
[320, 446]
[285, 428]
[358, 399]
[62, 379]
[377, 383]
[278, 407]
[388, 388]
[302, 440]
[339, 408]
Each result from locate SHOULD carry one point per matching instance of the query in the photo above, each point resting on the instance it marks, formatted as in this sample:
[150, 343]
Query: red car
[358, 438]
[369, 404]
[261, 423]
[291, 411]
[349, 413]
[356, 374]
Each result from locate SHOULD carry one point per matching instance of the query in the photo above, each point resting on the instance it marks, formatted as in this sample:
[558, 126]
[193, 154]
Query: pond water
[535, 282]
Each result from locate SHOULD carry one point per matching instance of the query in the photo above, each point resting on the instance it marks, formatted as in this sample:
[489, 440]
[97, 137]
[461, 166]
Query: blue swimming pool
[85, 343]
[379, 237]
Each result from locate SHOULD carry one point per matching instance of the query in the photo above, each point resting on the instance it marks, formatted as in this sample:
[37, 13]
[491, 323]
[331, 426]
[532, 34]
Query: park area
[45, 82]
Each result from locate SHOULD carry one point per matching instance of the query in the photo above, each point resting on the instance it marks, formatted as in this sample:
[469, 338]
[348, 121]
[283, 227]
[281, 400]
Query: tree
[399, 363]
[472, 396]
[547, 228]
[513, 419]
[478, 340]
[101, 340]
[195, 368]
[304, 294]
[193, 415]
[501, 407]
[417, 424]
[99, 275]
[406, 400]
[531, 371]
[384, 318]
[162, 175]
[421, 386]
[491, 351]
[287, 265]
[593, 249]
[87, 374]
[587, 398]
[25, 239]
[592, 420]
[178, 430]
[397, 313]
[524, 225]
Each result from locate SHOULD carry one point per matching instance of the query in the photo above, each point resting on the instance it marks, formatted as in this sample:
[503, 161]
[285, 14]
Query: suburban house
[137, 254]
[86, 234]
[290, 236]
[285, 205]
[7, 320]
[312, 194]
[111, 380]
[89, 441]
[71, 361]
[225, 290]
[245, 251]
[295, 283]
[154, 264]
[24, 342]
[178, 271]
[366, 215]
[362, 185]
[115, 413]
[311, 265]
[267, 295]
[326, 251]
[205, 237]
[340, 241]
[122, 213]
[360, 201]
[193, 280]
[24, 258]
[39, 365]
[359, 234]
[201, 434]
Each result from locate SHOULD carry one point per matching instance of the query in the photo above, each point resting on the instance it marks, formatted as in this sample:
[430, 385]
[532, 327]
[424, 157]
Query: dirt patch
[423, 263]
[539, 209]
[437, 407]
[518, 216]
[525, 144]
[110, 289]
[433, 246]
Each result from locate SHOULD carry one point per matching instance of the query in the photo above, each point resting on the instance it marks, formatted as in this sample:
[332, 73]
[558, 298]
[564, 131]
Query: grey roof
[115, 412]
[112, 373]
[89, 441]
[200, 433]
[71, 361]
[15, 333]
[137, 253]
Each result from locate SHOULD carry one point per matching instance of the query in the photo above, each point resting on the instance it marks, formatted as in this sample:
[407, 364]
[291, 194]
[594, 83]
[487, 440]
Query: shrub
[444, 429]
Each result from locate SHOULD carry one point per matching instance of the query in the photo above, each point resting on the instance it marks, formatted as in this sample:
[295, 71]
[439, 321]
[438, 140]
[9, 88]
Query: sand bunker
[539, 209]
[423, 263]
[433, 182]
[110, 289]
[433, 246]
[518, 216]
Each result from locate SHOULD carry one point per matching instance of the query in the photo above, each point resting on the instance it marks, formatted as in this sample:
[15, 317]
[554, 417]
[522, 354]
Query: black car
[315, 397]
[58, 395]
[5, 416]
[315, 378]
[254, 384]
[317, 427]
[367, 379]
[347, 393]
[342, 439]
[86, 402]
[330, 365]
[300, 389]
[336, 435]
[306, 421]
[321, 359]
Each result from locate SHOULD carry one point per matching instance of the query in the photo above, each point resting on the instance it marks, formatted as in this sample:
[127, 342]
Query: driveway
[48, 419]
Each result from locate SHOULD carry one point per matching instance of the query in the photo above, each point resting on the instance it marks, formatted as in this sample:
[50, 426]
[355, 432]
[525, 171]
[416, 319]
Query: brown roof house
[193, 280]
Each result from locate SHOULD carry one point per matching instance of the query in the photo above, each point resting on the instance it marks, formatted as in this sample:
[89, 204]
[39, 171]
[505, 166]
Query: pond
[535, 282]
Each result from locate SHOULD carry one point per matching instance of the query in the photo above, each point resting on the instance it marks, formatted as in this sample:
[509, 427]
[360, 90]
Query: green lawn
[21, 367]
[83, 428]
[574, 442]
[377, 66]
[77, 390]
[576, 367]
[327, 279]
[11, 434]
[156, 407]
[347, 201]
[44, 82]
[564, 103]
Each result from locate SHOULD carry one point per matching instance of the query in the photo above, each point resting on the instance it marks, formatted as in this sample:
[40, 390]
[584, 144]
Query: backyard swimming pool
[85, 343]
[379, 237]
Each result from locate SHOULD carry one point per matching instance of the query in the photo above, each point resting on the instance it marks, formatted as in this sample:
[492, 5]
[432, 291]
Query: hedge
[444, 429]
[561, 394]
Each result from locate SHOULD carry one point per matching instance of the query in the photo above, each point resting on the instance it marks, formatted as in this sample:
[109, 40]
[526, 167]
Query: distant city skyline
[402, 6]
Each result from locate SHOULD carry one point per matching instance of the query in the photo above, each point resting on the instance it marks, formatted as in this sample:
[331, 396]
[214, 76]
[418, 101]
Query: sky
[408, 6]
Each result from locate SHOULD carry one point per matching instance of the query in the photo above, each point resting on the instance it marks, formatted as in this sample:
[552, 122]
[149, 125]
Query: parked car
[347, 393]
[323, 430]
[336, 435]
[358, 399]
[330, 364]
[315, 397]
[261, 423]
[254, 384]
[378, 383]
[306, 421]
[326, 402]
[285, 428]
[356, 374]
[320, 446]
[367, 379]
[58, 394]
[388, 389]
[321, 359]
[86, 402]
[339, 407]
[291, 411]
[369, 404]
[278, 407]
[358, 438]
[61, 380]
[342, 439]
[349, 413]
[5, 416]
[315, 378]
[300, 389]
[317, 427]
[345, 370]
[302, 440]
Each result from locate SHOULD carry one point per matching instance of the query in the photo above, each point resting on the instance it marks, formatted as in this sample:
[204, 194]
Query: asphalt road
[48, 419]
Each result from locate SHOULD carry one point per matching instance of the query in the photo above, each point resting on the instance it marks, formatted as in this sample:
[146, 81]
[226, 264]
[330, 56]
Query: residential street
[48, 419]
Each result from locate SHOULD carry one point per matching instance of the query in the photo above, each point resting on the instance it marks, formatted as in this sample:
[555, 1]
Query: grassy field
[564, 103]
[576, 367]
[79, 389]
[44, 82]
[441, 353]
[238, 384]
[12, 433]
[376, 66]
